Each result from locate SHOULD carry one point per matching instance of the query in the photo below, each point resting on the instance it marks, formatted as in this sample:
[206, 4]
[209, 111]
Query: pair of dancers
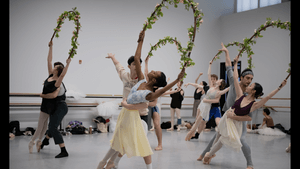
[129, 136]
[240, 102]
[53, 106]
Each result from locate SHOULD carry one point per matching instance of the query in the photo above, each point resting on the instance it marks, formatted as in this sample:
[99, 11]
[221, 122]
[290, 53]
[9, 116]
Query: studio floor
[85, 152]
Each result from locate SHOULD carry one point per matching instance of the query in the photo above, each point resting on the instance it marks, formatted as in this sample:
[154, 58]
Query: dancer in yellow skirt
[129, 137]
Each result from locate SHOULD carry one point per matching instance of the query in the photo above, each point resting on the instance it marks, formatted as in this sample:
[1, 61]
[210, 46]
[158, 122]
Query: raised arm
[137, 56]
[194, 84]
[158, 93]
[62, 75]
[146, 68]
[260, 103]
[112, 57]
[49, 58]
[237, 86]
[196, 81]
[208, 74]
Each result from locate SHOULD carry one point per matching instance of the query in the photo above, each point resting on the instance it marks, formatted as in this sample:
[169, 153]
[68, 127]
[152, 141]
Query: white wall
[272, 52]
[107, 26]
[113, 26]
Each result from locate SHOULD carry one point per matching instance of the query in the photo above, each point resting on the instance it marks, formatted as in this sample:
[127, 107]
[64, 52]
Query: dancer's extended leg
[108, 155]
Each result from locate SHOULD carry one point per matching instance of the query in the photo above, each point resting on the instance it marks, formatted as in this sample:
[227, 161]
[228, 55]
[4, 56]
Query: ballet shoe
[101, 165]
[110, 165]
[207, 158]
[249, 167]
[170, 129]
[200, 158]
[38, 145]
[30, 146]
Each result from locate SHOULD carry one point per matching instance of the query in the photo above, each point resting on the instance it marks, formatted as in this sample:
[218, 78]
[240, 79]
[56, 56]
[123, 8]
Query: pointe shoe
[249, 167]
[38, 145]
[170, 129]
[30, 146]
[101, 165]
[207, 158]
[110, 165]
[200, 158]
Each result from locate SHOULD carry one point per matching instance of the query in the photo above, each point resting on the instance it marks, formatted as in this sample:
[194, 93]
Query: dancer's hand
[282, 84]
[186, 85]
[189, 135]
[223, 48]
[110, 56]
[230, 114]
[124, 102]
[50, 44]
[181, 74]
[141, 36]
[68, 60]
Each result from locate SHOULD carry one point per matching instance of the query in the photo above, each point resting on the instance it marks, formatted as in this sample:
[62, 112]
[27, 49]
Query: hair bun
[262, 93]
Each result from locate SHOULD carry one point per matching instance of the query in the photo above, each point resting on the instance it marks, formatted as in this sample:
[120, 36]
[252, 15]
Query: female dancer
[213, 96]
[197, 95]
[61, 109]
[177, 98]
[50, 91]
[155, 112]
[230, 129]
[129, 136]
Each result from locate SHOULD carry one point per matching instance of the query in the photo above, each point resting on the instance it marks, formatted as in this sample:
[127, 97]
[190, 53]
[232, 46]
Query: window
[245, 5]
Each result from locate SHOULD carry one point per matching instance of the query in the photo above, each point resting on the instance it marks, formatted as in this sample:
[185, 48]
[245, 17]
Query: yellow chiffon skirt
[129, 136]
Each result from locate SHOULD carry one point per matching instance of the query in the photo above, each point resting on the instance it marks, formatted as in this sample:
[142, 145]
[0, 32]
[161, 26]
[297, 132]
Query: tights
[42, 126]
[173, 114]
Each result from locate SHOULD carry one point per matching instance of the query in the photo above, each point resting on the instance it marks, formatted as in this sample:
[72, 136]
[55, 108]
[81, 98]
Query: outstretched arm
[112, 57]
[218, 96]
[146, 68]
[62, 75]
[237, 86]
[137, 56]
[194, 84]
[49, 58]
[208, 73]
[259, 104]
[196, 81]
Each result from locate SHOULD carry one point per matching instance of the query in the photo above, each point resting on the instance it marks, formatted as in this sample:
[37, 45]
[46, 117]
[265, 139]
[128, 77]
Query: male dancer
[129, 79]
[246, 79]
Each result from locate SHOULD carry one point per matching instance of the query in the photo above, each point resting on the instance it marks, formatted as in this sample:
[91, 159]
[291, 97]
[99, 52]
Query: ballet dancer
[213, 96]
[175, 106]
[155, 112]
[52, 86]
[197, 95]
[129, 136]
[61, 109]
[129, 79]
[230, 129]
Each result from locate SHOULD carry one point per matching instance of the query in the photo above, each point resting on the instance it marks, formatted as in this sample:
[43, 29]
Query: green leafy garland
[245, 47]
[185, 52]
[72, 15]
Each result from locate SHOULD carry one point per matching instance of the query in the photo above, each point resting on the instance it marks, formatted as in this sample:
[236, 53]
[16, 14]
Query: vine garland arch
[72, 15]
[185, 52]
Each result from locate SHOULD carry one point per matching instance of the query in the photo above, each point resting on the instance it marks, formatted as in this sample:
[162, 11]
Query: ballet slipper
[101, 165]
[178, 128]
[158, 148]
[110, 165]
[152, 129]
[207, 158]
[170, 129]
[200, 158]
[249, 167]
[189, 135]
[38, 145]
[30, 146]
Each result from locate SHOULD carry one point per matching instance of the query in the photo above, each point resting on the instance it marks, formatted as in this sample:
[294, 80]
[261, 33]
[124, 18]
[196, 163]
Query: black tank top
[176, 99]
